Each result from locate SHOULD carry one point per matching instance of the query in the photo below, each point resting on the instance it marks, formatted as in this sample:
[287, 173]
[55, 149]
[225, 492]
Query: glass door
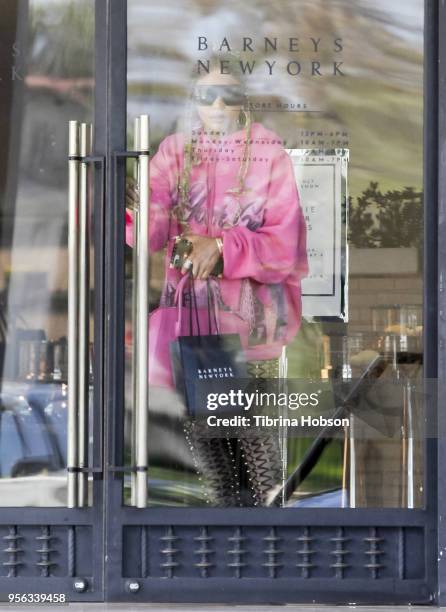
[35, 238]
[331, 286]
[50, 288]
[267, 414]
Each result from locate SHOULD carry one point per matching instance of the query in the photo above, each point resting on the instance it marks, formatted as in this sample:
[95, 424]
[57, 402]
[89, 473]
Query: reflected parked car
[33, 448]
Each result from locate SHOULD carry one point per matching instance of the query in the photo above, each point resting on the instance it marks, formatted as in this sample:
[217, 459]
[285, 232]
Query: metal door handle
[73, 309]
[141, 312]
[83, 317]
[78, 311]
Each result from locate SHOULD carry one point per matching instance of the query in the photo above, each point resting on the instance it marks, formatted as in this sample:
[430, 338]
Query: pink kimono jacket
[263, 230]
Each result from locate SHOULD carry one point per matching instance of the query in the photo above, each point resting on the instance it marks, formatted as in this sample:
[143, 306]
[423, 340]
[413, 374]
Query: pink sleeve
[162, 192]
[278, 247]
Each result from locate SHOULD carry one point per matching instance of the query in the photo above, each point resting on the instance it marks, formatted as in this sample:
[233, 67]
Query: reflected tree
[390, 219]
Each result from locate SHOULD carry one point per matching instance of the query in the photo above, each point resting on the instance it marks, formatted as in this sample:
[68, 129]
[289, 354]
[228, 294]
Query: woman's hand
[131, 193]
[204, 256]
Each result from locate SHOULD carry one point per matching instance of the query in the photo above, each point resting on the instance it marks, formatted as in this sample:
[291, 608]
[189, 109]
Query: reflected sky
[405, 16]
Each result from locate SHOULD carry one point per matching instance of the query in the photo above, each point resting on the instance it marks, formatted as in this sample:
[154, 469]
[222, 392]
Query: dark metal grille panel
[46, 551]
[305, 552]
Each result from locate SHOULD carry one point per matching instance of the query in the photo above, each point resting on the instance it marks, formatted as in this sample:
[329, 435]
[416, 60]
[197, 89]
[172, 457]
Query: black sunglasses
[232, 95]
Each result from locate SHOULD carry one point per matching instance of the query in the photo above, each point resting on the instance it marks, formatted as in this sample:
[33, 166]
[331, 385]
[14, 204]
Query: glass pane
[47, 79]
[293, 135]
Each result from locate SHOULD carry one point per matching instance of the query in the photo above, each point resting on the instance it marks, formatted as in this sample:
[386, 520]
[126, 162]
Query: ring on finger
[188, 264]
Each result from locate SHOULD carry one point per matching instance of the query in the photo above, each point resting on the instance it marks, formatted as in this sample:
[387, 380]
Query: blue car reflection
[33, 430]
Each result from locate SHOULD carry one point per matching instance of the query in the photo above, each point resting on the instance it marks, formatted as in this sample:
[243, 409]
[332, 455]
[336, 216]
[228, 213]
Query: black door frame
[146, 549]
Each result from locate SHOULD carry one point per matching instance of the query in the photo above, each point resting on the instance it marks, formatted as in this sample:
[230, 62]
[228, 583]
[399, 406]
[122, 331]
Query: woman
[228, 186]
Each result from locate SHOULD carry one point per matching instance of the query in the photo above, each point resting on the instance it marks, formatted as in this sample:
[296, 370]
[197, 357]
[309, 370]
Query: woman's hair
[191, 156]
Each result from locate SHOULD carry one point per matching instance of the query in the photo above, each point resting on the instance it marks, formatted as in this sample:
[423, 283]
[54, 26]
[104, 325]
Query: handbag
[204, 363]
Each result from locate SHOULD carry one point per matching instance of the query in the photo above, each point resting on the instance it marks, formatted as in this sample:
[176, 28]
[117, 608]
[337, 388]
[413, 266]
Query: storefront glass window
[250, 105]
[47, 78]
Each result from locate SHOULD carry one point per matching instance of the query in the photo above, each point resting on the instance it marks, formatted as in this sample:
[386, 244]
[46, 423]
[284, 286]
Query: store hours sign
[321, 178]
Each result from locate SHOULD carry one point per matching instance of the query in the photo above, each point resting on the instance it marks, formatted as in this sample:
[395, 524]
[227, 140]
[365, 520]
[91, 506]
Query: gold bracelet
[219, 242]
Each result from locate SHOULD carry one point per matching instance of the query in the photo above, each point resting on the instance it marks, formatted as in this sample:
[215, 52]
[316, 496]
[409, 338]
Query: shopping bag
[166, 324]
[208, 360]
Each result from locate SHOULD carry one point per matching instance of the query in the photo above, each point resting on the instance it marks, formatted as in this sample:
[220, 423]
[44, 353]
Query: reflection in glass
[49, 81]
[359, 111]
